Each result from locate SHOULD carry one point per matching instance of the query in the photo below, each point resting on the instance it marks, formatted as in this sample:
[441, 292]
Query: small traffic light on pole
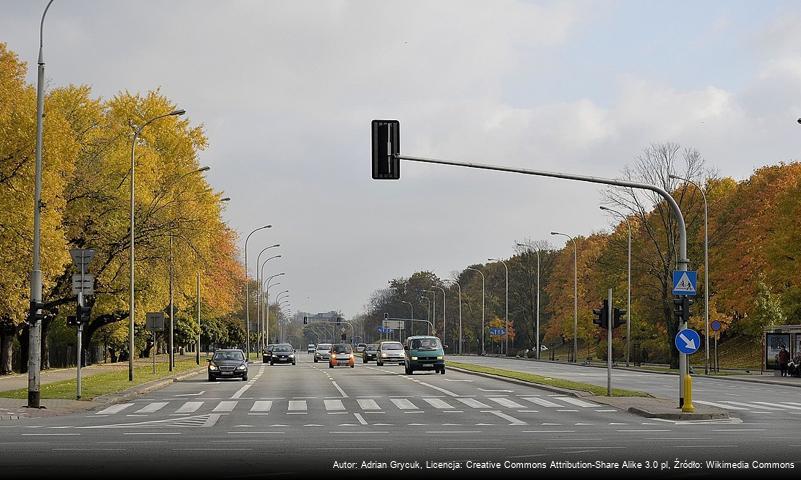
[617, 317]
[601, 316]
[682, 306]
[305, 320]
[386, 148]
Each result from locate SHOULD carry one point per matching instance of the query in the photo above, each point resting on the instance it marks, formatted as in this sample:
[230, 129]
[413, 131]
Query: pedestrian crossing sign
[684, 283]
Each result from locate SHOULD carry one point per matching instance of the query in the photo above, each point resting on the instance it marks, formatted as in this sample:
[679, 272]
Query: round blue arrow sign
[688, 341]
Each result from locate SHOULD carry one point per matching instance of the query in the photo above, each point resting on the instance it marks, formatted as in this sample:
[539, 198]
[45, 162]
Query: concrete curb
[143, 389]
[678, 416]
[550, 388]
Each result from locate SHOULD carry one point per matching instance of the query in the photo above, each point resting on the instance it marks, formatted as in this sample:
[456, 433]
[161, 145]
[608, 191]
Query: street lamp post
[259, 315]
[537, 327]
[460, 312]
[35, 330]
[706, 269]
[506, 320]
[279, 299]
[428, 313]
[443, 313]
[433, 316]
[575, 295]
[247, 292]
[411, 307]
[132, 305]
[483, 352]
[628, 305]
[267, 305]
[200, 331]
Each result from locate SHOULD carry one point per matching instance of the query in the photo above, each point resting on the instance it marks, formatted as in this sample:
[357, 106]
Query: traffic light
[602, 316]
[82, 314]
[339, 320]
[617, 317]
[386, 316]
[343, 337]
[72, 320]
[682, 308]
[305, 320]
[386, 148]
[36, 312]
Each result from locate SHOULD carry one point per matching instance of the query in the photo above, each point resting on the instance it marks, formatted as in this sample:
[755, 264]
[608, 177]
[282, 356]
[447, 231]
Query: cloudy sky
[286, 91]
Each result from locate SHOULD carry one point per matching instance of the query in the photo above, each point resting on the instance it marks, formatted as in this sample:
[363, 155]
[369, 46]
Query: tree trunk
[45, 360]
[6, 353]
[22, 336]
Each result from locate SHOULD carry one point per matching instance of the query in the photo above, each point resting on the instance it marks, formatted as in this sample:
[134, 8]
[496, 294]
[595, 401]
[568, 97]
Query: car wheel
[211, 379]
[293, 363]
[353, 365]
[330, 366]
[442, 370]
[409, 371]
[379, 364]
[315, 359]
[245, 378]
[272, 363]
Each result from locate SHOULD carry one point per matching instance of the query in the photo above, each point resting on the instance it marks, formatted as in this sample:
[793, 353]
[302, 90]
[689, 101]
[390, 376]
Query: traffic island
[660, 408]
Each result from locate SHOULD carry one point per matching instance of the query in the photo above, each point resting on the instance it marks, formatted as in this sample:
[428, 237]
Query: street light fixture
[267, 306]
[132, 305]
[706, 268]
[247, 290]
[628, 305]
[575, 295]
[259, 276]
[506, 267]
[460, 311]
[483, 351]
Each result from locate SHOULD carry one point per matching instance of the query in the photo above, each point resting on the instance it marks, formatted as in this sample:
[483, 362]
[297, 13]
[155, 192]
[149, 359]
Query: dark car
[267, 354]
[282, 353]
[370, 352]
[228, 364]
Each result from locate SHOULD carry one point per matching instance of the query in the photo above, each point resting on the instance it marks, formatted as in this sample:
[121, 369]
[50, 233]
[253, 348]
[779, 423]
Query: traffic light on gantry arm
[601, 317]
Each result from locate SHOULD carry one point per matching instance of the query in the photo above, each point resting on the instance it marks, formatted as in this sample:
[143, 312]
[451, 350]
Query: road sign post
[609, 327]
[82, 285]
[716, 328]
[154, 323]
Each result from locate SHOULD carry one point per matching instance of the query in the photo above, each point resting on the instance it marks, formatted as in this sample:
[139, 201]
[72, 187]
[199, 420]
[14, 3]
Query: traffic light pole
[610, 324]
[682, 261]
[78, 341]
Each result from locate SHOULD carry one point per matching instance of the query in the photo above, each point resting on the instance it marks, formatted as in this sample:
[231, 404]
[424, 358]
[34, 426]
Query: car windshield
[371, 347]
[220, 356]
[324, 346]
[425, 344]
[391, 346]
[342, 348]
[282, 348]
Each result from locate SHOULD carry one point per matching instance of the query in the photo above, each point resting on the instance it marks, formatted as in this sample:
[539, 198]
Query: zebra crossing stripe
[368, 404]
[334, 405]
[505, 402]
[225, 406]
[114, 409]
[781, 405]
[298, 406]
[719, 405]
[750, 405]
[152, 407]
[189, 407]
[542, 402]
[261, 406]
[473, 403]
[403, 404]
[577, 402]
[437, 403]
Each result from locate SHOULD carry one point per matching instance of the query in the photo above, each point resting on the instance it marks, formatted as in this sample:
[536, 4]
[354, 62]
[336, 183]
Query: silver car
[390, 352]
[323, 352]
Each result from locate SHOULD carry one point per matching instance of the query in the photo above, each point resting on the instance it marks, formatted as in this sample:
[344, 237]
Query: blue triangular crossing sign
[684, 282]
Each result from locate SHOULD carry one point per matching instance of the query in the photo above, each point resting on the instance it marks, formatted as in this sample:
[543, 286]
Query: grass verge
[553, 382]
[105, 383]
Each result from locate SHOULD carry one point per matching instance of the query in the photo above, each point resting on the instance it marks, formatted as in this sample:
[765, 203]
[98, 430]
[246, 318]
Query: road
[304, 418]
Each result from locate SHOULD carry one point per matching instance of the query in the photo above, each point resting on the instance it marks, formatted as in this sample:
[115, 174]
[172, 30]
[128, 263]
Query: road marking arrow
[690, 343]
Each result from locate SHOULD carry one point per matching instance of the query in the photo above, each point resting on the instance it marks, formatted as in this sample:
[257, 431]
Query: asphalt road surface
[311, 419]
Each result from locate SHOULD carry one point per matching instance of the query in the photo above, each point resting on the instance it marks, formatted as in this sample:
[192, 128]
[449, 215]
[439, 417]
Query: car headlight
[383, 355]
[242, 367]
[439, 357]
[212, 367]
[352, 357]
[291, 355]
[334, 356]
[414, 358]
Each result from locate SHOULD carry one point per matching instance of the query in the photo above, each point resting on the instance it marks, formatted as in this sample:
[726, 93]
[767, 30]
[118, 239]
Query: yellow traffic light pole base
[688, 407]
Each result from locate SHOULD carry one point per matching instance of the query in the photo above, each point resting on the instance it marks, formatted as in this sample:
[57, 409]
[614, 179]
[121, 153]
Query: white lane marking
[191, 394]
[472, 402]
[114, 409]
[261, 406]
[151, 433]
[458, 432]
[368, 404]
[403, 403]
[779, 405]
[225, 406]
[152, 407]
[642, 430]
[189, 407]
[437, 403]
[360, 419]
[457, 380]
[549, 431]
[793, 403]
[446, 392]
[334, 405]
[342, 392]
[719, 405]
[491, 390]
[241, 391]
[751, 405]
[505, 402]
[606, 410]
[50, 434]
[512, 420]
[577, 402]
[298, 405]
[541, 402]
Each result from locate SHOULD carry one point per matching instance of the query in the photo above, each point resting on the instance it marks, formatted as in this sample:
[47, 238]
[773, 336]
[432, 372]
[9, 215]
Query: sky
[286, 90]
